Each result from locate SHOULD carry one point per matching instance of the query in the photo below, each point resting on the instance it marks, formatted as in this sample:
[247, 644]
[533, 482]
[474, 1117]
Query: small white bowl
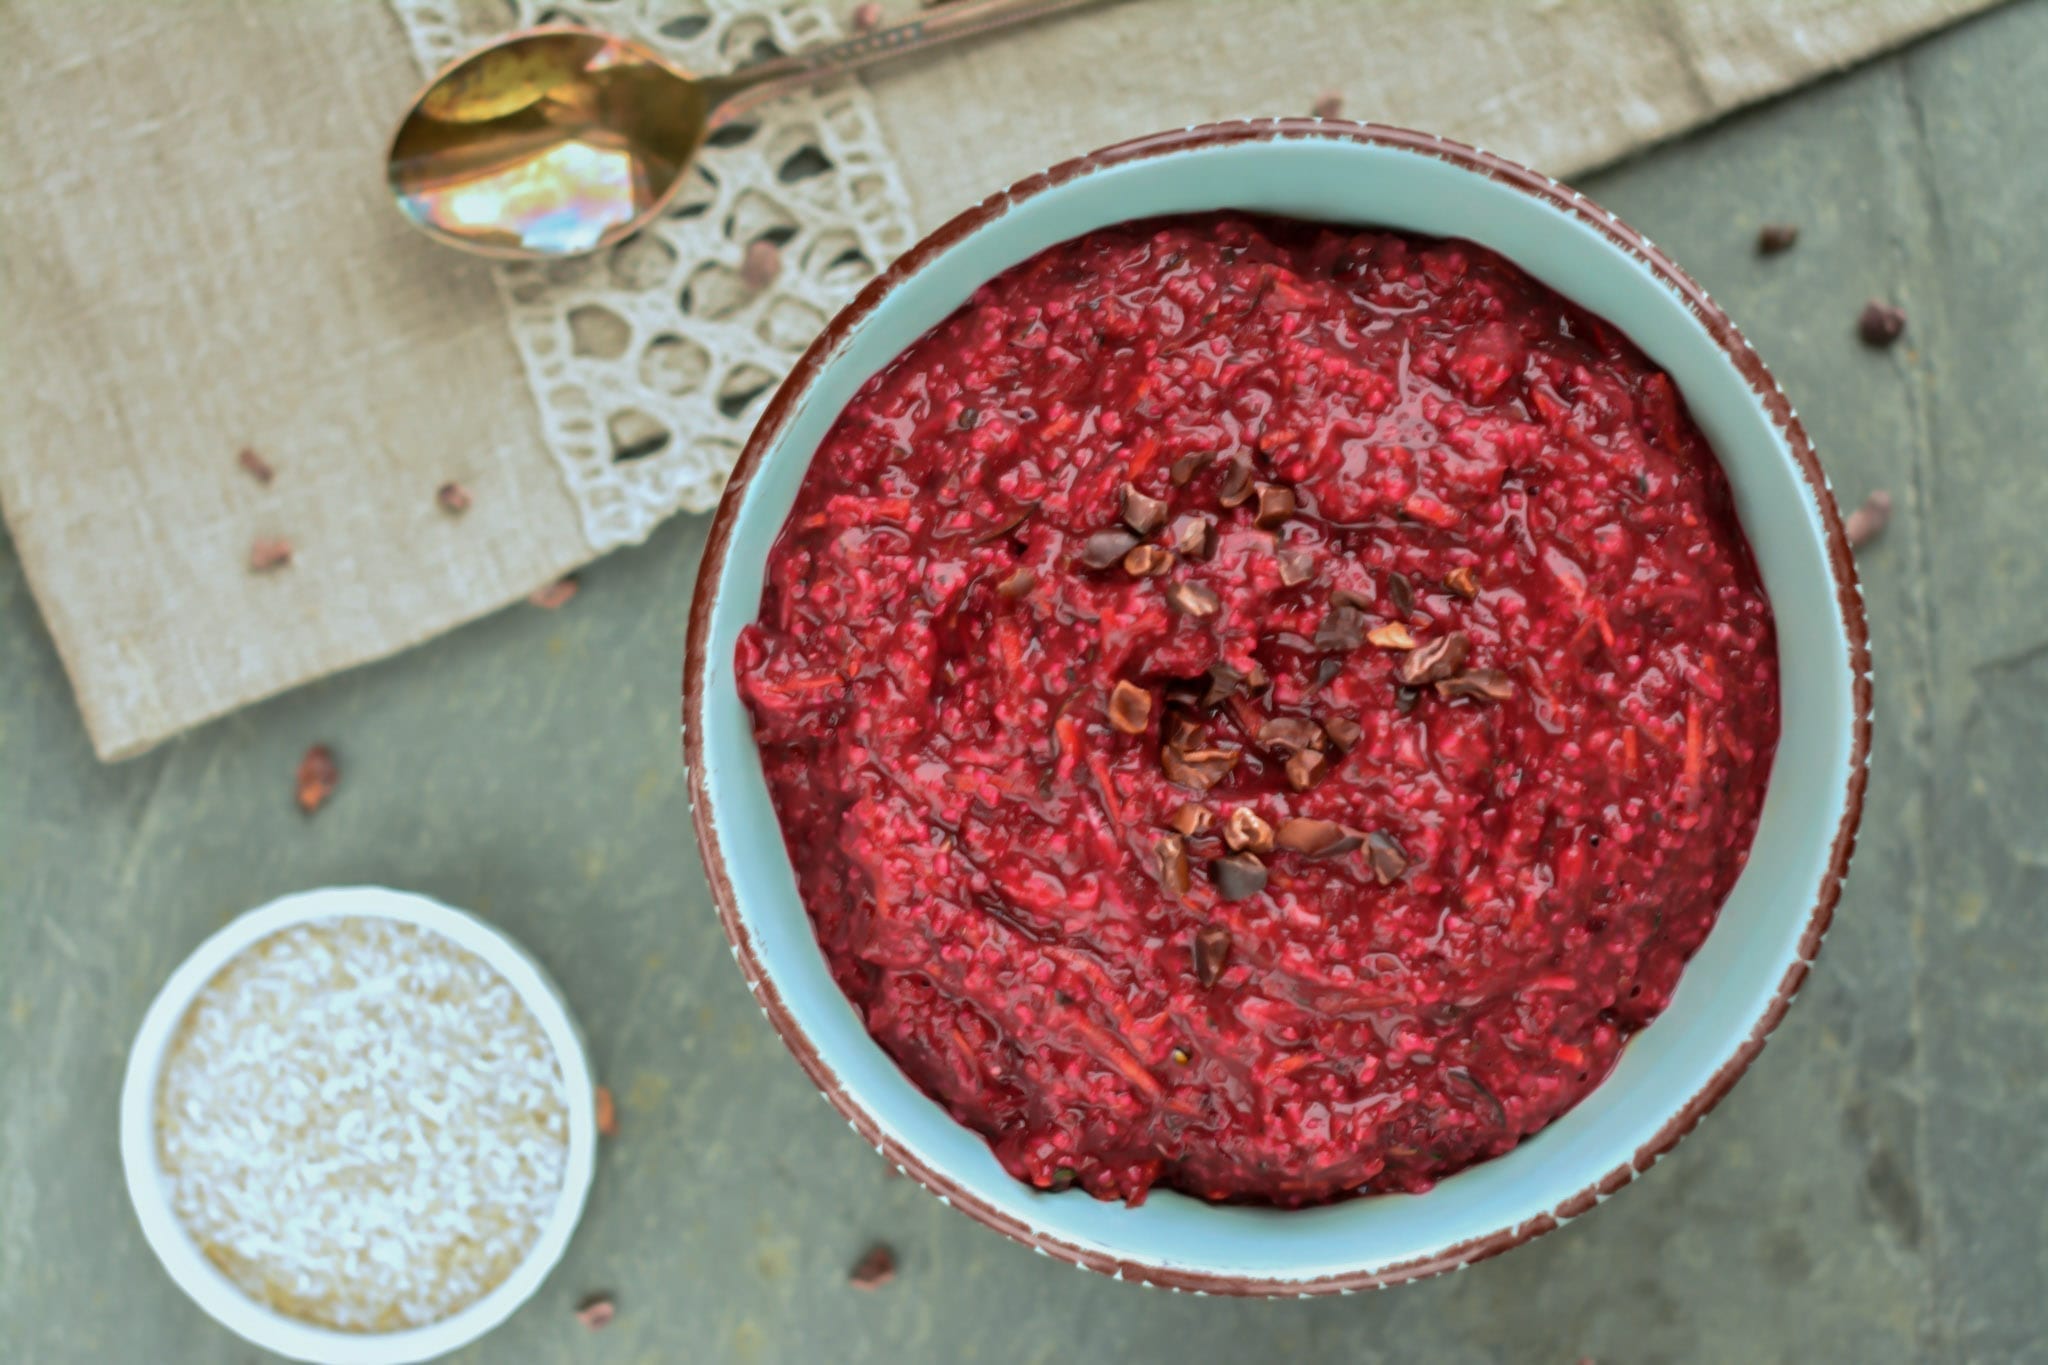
[222, 1299]
[1735, 989]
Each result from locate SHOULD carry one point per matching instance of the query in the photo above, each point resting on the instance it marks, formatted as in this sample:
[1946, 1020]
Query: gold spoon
[558, 141]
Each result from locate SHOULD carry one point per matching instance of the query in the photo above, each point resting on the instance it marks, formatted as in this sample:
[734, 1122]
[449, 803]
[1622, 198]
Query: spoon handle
[735, 93]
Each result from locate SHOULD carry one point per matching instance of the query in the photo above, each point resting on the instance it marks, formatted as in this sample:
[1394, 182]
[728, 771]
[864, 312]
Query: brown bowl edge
[1719, 326]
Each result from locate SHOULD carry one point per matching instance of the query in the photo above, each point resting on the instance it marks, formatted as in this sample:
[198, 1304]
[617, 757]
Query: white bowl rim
[1736, 350]
[212, 1290]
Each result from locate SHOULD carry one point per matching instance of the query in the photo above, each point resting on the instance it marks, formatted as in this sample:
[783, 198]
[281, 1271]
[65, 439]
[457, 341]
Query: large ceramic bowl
[1736, 988]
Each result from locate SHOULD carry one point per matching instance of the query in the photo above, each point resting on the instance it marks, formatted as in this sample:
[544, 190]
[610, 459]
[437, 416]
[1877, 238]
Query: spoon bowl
[556, 142]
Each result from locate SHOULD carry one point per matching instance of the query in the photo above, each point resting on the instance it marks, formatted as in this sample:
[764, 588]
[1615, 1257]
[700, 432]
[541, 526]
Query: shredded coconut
[362, 1124]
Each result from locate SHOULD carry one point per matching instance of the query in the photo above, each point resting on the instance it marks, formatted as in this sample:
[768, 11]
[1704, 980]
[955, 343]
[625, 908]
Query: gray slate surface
[1876, 1190]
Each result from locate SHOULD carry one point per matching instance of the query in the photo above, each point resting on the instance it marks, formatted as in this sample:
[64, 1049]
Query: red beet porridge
[1262, 709]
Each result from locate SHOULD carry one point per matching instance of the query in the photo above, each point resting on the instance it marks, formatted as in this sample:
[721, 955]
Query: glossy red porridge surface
[986, 848]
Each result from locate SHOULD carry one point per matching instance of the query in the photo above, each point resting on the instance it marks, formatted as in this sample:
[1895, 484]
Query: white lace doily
[650, 361]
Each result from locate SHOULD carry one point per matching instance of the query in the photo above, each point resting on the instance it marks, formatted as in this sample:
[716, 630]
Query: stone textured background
[1875, 1190]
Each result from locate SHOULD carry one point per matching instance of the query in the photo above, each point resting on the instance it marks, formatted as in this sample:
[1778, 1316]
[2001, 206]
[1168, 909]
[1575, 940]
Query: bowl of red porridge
[1277, 709]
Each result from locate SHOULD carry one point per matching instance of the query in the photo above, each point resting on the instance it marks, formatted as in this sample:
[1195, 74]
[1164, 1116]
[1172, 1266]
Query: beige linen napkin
[197, 256]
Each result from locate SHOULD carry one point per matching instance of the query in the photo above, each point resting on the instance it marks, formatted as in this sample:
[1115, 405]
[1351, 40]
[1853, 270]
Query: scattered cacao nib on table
[607, 1113]
[255, 465]
[1773, 238]
[1329, 104]
[875, 1268]
[555, 594]
[317, 777]
[596, 1311]
[269, 554]
[1868, 521]
[453, 497]
[1880, 324]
